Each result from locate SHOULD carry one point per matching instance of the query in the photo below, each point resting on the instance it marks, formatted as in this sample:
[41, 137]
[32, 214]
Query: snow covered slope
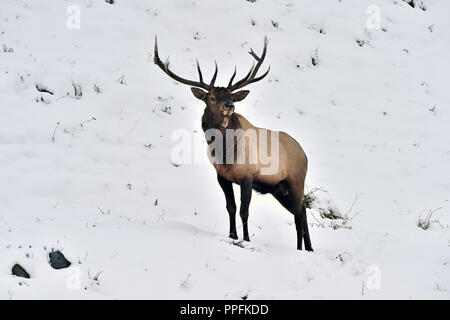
[87, 168]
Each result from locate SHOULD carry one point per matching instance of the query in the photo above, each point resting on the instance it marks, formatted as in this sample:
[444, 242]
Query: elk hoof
[233, 236]
[247, 239]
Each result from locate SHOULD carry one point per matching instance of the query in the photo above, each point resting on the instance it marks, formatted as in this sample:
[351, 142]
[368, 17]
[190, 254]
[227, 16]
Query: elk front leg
[246, 196]
[227, 187]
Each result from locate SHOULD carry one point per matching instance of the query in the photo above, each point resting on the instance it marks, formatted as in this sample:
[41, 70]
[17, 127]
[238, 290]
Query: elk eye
[212, 99]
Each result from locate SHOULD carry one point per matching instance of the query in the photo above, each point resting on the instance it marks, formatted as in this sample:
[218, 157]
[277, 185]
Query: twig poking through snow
[77, 90]
[103, 212]
[6, 49]
[97, 89]
[315, 57]
[184, 284]
[320, 223]
[54, 132]
[92, 119]
[97, 275]
[66, 95]
[351, 207]
[426, 223]
[121, 80]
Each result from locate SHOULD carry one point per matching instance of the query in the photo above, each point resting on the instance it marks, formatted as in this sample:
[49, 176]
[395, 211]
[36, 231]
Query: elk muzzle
[228, 108]
[227, 111]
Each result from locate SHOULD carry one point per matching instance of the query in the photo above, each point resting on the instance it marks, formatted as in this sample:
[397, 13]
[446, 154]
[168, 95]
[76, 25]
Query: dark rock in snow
[58, 261]
[17, 270]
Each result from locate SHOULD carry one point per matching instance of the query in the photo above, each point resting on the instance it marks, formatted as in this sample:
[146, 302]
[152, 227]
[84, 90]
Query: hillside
[86, 125]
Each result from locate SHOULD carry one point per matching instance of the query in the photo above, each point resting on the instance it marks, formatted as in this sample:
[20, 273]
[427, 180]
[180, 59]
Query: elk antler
[165, 67]
[250, 77]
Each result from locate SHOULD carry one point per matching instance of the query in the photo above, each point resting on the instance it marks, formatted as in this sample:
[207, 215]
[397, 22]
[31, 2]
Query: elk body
[286, 183]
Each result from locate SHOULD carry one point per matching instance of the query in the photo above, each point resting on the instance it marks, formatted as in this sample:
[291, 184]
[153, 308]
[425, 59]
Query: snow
[93, 176]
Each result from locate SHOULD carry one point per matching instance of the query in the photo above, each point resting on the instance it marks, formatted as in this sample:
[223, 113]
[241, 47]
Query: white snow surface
[373, 120]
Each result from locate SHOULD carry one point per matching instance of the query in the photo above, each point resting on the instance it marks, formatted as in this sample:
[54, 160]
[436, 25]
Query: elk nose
[229, 104]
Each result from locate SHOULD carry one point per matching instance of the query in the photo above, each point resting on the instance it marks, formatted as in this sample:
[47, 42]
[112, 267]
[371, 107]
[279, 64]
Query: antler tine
[259, 59]
[211, 84]
[262, 76]
[200, 76]
[254, 55]
[156, 59]
[232, 78]
[165, 67]
[250, 78]
[238, 84]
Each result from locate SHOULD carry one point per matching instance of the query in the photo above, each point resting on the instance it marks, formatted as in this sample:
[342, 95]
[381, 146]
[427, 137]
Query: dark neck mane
[211, 121]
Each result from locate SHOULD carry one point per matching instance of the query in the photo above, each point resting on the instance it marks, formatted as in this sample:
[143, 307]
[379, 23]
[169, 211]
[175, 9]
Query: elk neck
[211, 120]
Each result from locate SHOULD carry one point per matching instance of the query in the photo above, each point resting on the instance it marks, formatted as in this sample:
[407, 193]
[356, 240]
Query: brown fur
[293, 160]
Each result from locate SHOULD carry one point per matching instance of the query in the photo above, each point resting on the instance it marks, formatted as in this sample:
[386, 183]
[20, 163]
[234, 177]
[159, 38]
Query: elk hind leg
[288, 198]
[307, 239]
[295, 197]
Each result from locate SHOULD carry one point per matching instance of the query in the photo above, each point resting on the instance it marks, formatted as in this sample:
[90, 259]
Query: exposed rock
[18, 271]
[58, 261]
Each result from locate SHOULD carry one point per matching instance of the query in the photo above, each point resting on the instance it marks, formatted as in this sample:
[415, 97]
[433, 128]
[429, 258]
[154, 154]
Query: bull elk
[286, 183]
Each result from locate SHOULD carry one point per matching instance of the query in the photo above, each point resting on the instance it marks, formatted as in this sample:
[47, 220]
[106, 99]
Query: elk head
[219, 100]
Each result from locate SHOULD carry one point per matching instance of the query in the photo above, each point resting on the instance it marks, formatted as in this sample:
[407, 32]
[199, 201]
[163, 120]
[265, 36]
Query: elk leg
[246, 196]
[227, 187]
[308, 246]
[285, 201]
[298, 226]
[295, 199]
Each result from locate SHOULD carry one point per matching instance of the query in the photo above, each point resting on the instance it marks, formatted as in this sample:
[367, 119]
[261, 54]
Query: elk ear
[198, 93]
[240, 95]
